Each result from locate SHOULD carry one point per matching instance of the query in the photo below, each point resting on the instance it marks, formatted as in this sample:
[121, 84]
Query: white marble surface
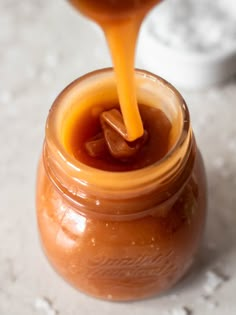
[43, 46]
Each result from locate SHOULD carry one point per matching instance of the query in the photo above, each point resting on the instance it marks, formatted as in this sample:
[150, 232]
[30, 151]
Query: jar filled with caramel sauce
[120, 229]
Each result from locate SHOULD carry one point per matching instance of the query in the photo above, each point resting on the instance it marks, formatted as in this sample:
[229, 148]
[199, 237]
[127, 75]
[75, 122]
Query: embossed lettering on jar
[121, 235]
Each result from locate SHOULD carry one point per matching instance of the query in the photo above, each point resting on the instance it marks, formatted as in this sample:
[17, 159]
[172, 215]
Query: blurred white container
[190, 43]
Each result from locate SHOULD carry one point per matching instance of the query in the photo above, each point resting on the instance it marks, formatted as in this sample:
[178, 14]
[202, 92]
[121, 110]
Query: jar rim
[86, 173]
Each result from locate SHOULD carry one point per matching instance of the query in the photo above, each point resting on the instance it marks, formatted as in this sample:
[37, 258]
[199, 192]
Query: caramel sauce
[154, 148]
[119, 242]
[121, 21]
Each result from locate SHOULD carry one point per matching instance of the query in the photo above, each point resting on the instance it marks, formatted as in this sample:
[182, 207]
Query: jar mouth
[83, 173]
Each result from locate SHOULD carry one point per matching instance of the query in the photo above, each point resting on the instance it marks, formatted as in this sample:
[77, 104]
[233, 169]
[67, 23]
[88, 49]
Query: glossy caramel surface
[87, 126]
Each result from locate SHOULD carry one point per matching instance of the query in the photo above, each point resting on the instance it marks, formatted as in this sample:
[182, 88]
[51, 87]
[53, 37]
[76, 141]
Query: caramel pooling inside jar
[114, 138]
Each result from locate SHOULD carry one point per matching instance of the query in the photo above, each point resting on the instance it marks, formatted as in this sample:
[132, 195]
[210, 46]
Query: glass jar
[121, 235]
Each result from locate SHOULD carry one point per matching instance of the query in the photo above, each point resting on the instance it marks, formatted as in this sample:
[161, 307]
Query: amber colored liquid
[111, 257]
[155, 123]
[120, 21]
[124, 259]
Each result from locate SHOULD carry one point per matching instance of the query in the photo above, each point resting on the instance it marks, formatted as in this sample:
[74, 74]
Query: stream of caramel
[121, 20]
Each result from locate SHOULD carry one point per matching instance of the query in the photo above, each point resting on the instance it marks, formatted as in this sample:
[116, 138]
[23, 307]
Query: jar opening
[152, 91]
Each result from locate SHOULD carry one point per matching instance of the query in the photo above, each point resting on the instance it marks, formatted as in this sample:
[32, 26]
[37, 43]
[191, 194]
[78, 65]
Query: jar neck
[120, 193]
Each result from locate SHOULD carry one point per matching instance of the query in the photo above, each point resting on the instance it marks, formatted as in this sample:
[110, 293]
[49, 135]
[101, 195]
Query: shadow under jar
[121, 235]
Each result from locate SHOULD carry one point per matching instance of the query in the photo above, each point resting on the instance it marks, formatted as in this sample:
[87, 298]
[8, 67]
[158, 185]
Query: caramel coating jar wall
[121, 236]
